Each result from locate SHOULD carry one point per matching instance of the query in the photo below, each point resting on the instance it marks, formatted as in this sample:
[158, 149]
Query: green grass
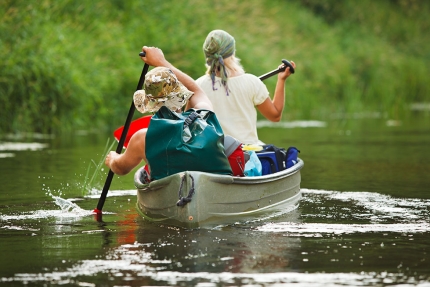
[69, 64]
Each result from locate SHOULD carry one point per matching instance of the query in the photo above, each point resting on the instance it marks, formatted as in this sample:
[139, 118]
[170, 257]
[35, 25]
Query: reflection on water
[366, 207]
[338, 236]
[293, 124]
[355, 212]
[17, 146]
[130, 264]
[317, 229]
[333, 238]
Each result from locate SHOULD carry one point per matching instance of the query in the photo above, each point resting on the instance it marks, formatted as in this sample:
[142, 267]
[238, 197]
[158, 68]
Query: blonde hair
[232, 64]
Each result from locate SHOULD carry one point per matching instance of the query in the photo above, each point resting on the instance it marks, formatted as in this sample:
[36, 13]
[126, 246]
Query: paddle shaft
[277, 71]
[121, 142]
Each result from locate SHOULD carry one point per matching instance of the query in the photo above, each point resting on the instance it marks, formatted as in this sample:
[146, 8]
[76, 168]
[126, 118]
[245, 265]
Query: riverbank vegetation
[71, 64]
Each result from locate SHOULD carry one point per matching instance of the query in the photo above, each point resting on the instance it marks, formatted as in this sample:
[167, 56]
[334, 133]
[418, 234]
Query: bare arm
[155, 57]
[122, 164]
[272, 109]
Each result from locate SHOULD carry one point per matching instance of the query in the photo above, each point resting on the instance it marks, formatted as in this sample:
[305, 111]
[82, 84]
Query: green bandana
[218, 46]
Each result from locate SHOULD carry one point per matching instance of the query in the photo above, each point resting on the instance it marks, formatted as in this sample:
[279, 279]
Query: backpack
[191, 140]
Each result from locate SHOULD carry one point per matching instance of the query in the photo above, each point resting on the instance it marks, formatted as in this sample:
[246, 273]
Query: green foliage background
[70, 64]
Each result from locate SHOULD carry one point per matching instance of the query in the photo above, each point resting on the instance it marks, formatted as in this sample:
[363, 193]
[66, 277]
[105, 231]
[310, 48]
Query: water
[363, 219]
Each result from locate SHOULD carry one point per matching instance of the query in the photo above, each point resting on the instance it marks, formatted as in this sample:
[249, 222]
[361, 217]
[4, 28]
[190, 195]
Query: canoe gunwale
[218, 178]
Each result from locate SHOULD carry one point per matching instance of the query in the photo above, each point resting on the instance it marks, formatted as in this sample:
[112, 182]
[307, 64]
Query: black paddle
[109, 178]
[274, 72]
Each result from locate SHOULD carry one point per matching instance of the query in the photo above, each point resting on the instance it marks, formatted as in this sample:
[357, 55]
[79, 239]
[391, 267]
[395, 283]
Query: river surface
[363, 219]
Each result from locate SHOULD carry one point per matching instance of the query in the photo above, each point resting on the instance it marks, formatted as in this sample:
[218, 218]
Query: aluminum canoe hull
[217, 199]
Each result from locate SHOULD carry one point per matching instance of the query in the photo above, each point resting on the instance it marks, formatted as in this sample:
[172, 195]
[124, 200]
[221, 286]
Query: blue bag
[280, 157]
[275, 158]
[269, 162]
[292, 154]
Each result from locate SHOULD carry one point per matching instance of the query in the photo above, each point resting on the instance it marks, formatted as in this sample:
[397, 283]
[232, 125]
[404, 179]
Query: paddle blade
[140, 123]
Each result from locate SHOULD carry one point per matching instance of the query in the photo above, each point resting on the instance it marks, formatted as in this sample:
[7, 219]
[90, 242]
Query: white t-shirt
[236, 112]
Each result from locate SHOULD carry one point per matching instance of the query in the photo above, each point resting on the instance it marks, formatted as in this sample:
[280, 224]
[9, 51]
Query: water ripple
[130, 262]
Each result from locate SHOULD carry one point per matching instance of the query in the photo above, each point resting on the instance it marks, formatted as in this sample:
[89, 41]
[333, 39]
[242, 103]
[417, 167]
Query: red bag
[237, 161]
[234, 152]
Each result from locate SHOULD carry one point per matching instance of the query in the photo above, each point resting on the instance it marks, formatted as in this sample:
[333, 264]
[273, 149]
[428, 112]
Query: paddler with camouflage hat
[161, 88]
[164, 85]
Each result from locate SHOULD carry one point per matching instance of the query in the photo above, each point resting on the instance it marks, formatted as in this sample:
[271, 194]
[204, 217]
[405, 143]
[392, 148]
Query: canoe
[194, 199]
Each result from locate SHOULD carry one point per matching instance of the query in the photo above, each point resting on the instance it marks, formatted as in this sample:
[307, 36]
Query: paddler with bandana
[235, 94]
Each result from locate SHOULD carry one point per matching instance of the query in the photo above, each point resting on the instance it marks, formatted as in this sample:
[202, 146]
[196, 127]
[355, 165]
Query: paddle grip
[142, 54]
[288, 64]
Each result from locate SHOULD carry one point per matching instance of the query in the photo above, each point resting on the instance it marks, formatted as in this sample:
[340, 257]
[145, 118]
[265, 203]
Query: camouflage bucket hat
[161, 88]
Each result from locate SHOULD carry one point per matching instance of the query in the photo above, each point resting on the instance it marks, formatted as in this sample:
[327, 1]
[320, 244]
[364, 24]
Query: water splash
[68, 210]
[67, 205]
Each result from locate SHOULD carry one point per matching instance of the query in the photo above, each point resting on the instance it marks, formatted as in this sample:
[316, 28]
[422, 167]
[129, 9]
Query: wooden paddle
[143, 122]
[124, 132]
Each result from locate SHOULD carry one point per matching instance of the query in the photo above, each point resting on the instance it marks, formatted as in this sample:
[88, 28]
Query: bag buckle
[190, 119]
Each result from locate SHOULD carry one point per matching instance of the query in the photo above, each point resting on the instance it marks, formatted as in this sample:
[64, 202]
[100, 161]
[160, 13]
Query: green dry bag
[192, 140]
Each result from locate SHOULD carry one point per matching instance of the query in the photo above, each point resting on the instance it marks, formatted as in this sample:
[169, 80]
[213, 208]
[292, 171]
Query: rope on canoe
[184, 200]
